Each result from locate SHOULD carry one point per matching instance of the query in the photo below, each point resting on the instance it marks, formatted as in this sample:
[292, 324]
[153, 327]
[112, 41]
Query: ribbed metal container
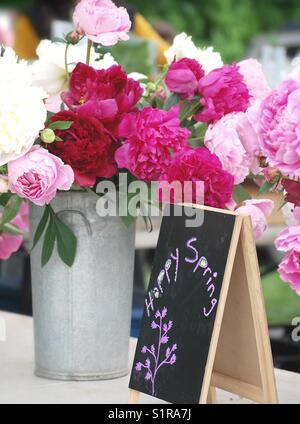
[82, 314]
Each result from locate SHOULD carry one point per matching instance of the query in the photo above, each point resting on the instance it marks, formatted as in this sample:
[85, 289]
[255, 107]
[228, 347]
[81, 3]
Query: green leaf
[189, 108]
[11, 209]
[4, 198]
[66, 241]
[41, 228]
[172, 100]
[184, 110]
[11, 229]
[60, 125]
[49, 242]
[240, 194]
[159, 103]
[58, 138]
[199, 130]
[266, 187]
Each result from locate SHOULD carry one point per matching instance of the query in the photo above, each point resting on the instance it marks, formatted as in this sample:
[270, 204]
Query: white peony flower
[294, 68]
[209, 59]
[49, 70]
[22, 110]
[183, 46]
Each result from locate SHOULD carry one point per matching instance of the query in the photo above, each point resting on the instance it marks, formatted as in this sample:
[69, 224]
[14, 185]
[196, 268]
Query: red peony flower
[87, 147]
[199, 165]
[224, 91]
[183, 77]
[293, 191]
[106, 94]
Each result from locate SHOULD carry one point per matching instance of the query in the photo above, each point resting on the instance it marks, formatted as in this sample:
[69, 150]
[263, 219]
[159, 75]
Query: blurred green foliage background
[228, 25]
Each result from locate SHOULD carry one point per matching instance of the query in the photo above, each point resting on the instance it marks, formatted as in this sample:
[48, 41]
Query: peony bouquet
[74, 118]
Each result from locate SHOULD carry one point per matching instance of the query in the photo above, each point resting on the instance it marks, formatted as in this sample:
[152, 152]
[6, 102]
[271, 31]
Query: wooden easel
[240, 358]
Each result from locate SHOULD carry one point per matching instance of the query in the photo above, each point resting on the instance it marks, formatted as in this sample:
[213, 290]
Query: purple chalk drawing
[155, 360]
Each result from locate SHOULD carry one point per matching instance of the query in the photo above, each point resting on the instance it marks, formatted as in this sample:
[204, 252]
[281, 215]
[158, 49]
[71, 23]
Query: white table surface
[19, 385]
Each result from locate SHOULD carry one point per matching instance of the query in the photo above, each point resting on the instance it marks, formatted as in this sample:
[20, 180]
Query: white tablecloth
[19, 385]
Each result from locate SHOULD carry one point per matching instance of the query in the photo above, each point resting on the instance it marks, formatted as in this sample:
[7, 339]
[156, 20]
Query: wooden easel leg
[212, 396]
[134, 397]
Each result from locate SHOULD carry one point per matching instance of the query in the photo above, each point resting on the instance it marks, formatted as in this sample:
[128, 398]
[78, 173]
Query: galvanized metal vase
[82, 314]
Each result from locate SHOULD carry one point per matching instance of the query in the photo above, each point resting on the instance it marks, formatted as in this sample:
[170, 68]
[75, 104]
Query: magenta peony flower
[258, 210]
[279, 128]
[289, 239]
[10, 244]
[255, 79]
[183, 77]
[106, 94]
[224, 91]
[102, 21]
[289, 270]
[38, 175]
[199, 165]
[223, 139]
[150, 136]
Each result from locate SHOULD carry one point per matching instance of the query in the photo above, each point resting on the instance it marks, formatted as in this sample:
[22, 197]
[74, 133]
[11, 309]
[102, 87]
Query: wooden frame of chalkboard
[238, 355]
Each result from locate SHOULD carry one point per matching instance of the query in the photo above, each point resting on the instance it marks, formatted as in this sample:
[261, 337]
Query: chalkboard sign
[180, 307]
[204, 324]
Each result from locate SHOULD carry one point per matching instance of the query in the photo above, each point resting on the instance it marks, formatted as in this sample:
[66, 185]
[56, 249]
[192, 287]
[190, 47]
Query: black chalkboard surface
[180, 307]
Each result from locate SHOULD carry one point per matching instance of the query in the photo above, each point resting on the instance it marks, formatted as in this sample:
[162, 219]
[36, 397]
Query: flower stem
[88, 52]
[66, 61]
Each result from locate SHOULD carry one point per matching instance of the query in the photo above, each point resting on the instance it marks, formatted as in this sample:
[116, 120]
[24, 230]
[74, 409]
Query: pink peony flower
[106, 94]
[258, 210]
[223, 139]
[199, 165]
[279, 128]
[255, 79]
[10, 244]
[289, 239]
[183, 77]
[247, 128]
[38, 175]
[224, 91]
[150, 136]
[289, 270]
[102, 21]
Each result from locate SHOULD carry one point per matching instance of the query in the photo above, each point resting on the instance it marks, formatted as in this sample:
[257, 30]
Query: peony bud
[47, 135]
[3, 185]
[272, 175]
[74, 37]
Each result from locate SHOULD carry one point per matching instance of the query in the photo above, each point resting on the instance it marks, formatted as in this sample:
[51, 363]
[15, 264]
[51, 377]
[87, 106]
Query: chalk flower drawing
[155, 359]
